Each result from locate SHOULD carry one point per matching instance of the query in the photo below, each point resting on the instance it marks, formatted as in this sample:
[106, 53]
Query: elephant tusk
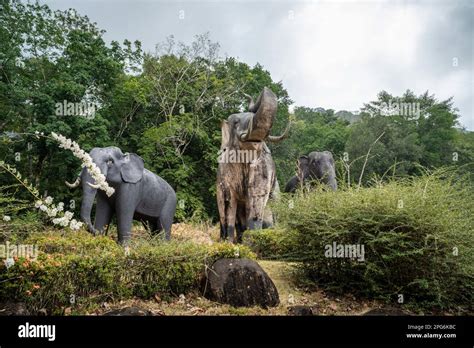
[93, 185]
[277, 139]
[74, 184]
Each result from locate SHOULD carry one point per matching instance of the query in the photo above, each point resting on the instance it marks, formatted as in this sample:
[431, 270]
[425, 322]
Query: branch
[366, 159]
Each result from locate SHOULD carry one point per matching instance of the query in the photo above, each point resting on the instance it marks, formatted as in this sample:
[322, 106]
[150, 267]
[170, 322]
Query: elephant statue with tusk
[246, 173]
[317, 166]
[139, 194]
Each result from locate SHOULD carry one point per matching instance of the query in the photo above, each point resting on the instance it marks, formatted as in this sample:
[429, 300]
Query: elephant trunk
[261, 123]
[328, 175]
[88, 197]
[332, 182]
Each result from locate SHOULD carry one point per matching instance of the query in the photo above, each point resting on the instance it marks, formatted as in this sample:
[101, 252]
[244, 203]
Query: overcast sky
[335, 55]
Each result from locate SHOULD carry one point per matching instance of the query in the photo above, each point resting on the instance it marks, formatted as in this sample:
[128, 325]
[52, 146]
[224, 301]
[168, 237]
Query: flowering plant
[87, 162]
[51, 210]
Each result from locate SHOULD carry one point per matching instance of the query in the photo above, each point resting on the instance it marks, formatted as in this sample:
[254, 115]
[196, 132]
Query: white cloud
[335, 55]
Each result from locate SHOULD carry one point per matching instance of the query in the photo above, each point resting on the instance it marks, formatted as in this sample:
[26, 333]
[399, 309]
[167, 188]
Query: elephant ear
[132, 168]
[225, 128]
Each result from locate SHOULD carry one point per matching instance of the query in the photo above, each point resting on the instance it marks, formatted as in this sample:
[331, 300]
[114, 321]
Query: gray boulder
[240, 283]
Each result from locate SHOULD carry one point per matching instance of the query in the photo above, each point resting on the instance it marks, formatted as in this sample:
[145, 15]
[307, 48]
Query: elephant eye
[110, 162]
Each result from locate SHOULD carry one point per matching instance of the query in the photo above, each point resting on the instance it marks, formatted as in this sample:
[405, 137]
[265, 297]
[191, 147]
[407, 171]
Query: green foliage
[416, 232]
[311, 130]
[273, 244]
[94, 269]
[173, 116]
[48, 57]
[407, 139]
[20, 219]
[167, 107]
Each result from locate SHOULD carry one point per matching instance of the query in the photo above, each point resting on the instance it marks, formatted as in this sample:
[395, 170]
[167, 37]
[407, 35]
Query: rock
[18, 308]
[300, 310]
[385, 311]
[129, 311]
[240, 283]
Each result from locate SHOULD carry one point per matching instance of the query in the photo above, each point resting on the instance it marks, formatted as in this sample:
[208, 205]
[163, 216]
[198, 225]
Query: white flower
[68, 215]
[6, 218]
[52, 212]
[87, 161]
[48, 200]
[38, 204]
[43, 207]
[9, 262]
[75, 225]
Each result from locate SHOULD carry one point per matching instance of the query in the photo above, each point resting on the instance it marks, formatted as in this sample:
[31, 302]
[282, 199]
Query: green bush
[418, 235]
[93, 269]
[273, 244]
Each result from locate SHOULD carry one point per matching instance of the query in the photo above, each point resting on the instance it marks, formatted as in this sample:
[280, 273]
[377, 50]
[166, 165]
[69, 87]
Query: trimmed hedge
[273, 244]
[418, 236]
[92, 269]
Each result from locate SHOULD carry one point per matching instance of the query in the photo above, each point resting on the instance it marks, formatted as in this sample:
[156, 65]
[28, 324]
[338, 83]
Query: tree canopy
[167, 107]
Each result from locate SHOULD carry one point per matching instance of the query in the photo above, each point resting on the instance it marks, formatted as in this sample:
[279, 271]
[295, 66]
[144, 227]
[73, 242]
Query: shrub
[273, 244]
[76, 265]
[20, 219]
[418, 236]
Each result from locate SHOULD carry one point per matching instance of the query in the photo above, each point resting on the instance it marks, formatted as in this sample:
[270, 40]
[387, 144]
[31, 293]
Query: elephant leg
[227, 205]
[221, 207]
[166, 217]
[241, 222]
[124, 226]
[255, 212]
[230, 217]
[227, 221]
[103, 215]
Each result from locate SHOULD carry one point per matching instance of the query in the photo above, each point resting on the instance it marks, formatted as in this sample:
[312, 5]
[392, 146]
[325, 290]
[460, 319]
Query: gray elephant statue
[139, 195]
[246, 173]
[317, 166]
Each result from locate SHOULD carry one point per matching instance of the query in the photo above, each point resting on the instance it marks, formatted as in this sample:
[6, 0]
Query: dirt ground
[290, 295]
[194, 303]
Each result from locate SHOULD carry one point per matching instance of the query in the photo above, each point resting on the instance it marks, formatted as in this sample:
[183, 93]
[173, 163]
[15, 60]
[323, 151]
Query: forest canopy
[167, 106]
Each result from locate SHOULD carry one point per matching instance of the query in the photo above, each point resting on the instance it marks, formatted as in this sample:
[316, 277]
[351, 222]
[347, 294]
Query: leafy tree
[414, 130]
[312, 130]
[48, 57]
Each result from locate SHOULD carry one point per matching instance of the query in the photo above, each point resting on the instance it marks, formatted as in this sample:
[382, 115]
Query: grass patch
[78, 268]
